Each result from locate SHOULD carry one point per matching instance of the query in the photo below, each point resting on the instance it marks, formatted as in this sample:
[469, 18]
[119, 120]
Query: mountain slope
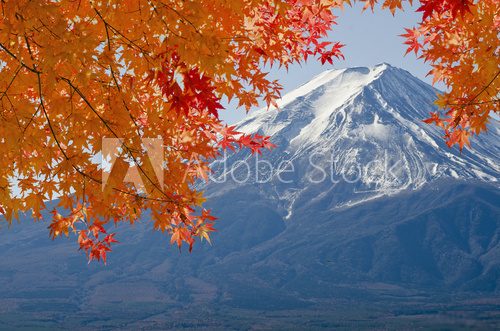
[443, 236]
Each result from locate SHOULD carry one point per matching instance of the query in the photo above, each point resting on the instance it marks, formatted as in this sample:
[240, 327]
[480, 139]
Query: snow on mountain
[340, 86]
[355, 134]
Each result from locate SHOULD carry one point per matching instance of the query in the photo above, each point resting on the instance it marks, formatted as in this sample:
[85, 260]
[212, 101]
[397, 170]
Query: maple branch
[14, 111]
[111, 69]
[116, 31]
[11, 82]
[471, 102]
[138, 129]
[128, 149]
[86, 175]
[20, 61]
[107, 30]
[155, 10]
[31, 119]
[486, 87]
[42, 106]
[48, 29]
[183, 18]
[44, 110]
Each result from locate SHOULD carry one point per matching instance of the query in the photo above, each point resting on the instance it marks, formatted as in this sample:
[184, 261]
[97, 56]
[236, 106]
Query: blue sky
[370, 38]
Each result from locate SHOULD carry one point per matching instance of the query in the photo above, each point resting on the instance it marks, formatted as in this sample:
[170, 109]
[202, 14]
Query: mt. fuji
[356, 134]
[361, 217]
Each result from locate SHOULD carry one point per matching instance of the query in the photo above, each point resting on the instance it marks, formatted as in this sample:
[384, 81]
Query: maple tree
[75, 72]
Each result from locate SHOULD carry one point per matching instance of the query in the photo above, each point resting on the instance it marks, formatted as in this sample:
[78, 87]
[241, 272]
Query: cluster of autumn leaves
[460, 39]
[75, 72]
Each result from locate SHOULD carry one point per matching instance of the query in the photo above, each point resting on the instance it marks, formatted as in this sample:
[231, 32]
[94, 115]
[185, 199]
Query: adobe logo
[141, 168]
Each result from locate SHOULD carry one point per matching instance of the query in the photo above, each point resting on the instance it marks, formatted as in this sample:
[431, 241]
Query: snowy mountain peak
[336, 87]
[357, 133]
